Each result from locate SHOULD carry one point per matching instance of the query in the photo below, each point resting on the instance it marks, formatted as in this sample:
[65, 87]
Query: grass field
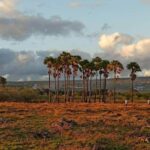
[74, 126]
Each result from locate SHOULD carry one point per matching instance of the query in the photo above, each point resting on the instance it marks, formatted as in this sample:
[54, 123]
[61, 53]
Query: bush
[18, 94]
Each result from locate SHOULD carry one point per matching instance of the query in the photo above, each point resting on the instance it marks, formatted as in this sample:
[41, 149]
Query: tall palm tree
[57, 69]
[83, 68]
[105, 70]
[65, 59]
[100, 83]
[90, 75]
[134, 67]
[49, 62]
[75, 67]
[116, 67]
[97, 65]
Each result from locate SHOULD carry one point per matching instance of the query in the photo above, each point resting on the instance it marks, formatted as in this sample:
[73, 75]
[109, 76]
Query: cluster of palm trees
[68, 67]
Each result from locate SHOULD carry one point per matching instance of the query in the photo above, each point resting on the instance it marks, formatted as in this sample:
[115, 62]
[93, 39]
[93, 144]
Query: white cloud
[7, 7]
[25, 57]
[15, 25]
[141, 49]
[6, 76]
[124, 48]
[74, 4]
[85, 4]
[112, 41]
[146, 73]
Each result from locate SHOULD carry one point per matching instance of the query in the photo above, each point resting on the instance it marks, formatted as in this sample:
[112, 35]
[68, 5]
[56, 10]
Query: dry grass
[74, 126]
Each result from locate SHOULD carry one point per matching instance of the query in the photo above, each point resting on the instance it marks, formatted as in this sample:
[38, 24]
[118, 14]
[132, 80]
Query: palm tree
[49, 62]
[97, 65]
[134, 67]
[57, 69]
[83, 68]
[75, 66]
[65, 60]
[116, 67]
[100, 82]
[105, 70]
[90, 75]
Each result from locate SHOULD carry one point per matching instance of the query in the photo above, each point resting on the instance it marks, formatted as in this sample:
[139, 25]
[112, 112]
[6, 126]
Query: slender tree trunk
[49, 86]
[132, 91]
[83, 88]
[58, 89]
[90, 90]
[55, 89]
[96, 88]
[104, 92]
[114, 87]
[65, 87]
[87, 89]
[100, 87]
[73, 88]
[68, 88]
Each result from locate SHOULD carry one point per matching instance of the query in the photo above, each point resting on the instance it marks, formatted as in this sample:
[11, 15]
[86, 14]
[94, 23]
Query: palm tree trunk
[73, 88]
[68, 88]
[132, 92]
[49, 86]
[104, 92]
[90, 92]
[58, 89]
[87, 89]
[83, 88]
[96, 88]
[100, 87]
[55, 90]
[114, 87]
[65, 87]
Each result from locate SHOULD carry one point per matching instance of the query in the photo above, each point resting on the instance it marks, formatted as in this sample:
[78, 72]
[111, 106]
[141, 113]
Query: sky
[33, 29]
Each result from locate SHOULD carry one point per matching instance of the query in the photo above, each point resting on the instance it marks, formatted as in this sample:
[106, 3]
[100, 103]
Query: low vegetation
[12, 94]
[71, 126]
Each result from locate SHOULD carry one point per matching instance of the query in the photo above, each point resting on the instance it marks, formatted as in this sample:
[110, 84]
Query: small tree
[134, 67]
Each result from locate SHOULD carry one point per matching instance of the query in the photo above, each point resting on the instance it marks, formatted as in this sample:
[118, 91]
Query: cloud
[75, 4]
[84, 4]
[15, 25]
[105, 27]
[6, 56]
[109, 42]
[126, 48]
[146, 73]
[7, 7]
[140, 49]
[23, 27]
[28, 65]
